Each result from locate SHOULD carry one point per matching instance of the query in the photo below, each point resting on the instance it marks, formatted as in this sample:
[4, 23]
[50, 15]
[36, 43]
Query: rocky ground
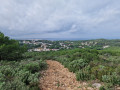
[56, 77]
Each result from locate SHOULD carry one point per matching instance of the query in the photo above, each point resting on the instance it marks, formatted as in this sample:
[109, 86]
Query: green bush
[42, 64]
[32, 67]
[82, 75]
[35, 66]
[102, 88]
[63, 60]
[20, 75]
[10, 49]
[107, 86]
[16, 84]
[114, 79]
[33, 79]
[85, 74]
[101, 70]
[118, 69]
[76, 65]
[23, 76]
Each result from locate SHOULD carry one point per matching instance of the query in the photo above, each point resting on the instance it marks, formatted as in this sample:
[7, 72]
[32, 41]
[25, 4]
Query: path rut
[56, 77]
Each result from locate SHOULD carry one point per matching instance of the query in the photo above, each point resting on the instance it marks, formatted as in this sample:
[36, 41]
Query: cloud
[60, 18]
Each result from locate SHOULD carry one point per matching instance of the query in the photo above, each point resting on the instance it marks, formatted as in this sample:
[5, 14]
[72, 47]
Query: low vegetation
[88, 64]
[18, 71]
[20, 75]
[21, 70]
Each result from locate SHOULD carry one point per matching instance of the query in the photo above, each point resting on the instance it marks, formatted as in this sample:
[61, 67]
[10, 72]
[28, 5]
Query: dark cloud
[56, 18]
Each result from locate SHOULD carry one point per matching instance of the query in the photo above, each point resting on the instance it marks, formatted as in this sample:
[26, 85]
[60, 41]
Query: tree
[10, 49]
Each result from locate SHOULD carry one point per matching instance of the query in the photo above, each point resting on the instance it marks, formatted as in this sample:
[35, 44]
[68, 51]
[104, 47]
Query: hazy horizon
[60, 39]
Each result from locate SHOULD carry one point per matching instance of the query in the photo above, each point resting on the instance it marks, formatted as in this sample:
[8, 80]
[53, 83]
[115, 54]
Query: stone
[118, 88]
[97, 85]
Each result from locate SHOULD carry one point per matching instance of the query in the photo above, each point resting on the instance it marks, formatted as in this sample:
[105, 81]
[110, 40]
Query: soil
[56, 77]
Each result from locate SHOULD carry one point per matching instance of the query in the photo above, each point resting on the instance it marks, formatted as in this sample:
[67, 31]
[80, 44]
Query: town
[48, 45]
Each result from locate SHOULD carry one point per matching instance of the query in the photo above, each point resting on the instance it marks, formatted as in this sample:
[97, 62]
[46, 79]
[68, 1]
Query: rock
[97, 85]
[89, 88]
[84, 84]
[118, 88]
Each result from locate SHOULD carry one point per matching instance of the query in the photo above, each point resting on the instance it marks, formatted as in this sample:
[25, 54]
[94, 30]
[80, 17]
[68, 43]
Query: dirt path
[56, 77]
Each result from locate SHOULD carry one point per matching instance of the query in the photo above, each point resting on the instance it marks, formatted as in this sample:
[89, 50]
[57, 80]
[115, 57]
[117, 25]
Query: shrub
[10, 49]
[16, 84]
[65, 61]
[114, 79]
[101, 70]
[76, 65]
[35, 66]
[118, 70]
[82, 75]
[7, 73]
[102, 88]
[20, 75]
[33, 79]
[42, 64]
[85, 74]
[32, 67]
[23, 76]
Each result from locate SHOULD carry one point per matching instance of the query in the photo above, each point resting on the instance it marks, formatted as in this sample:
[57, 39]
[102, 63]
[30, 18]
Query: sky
[90, 19]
